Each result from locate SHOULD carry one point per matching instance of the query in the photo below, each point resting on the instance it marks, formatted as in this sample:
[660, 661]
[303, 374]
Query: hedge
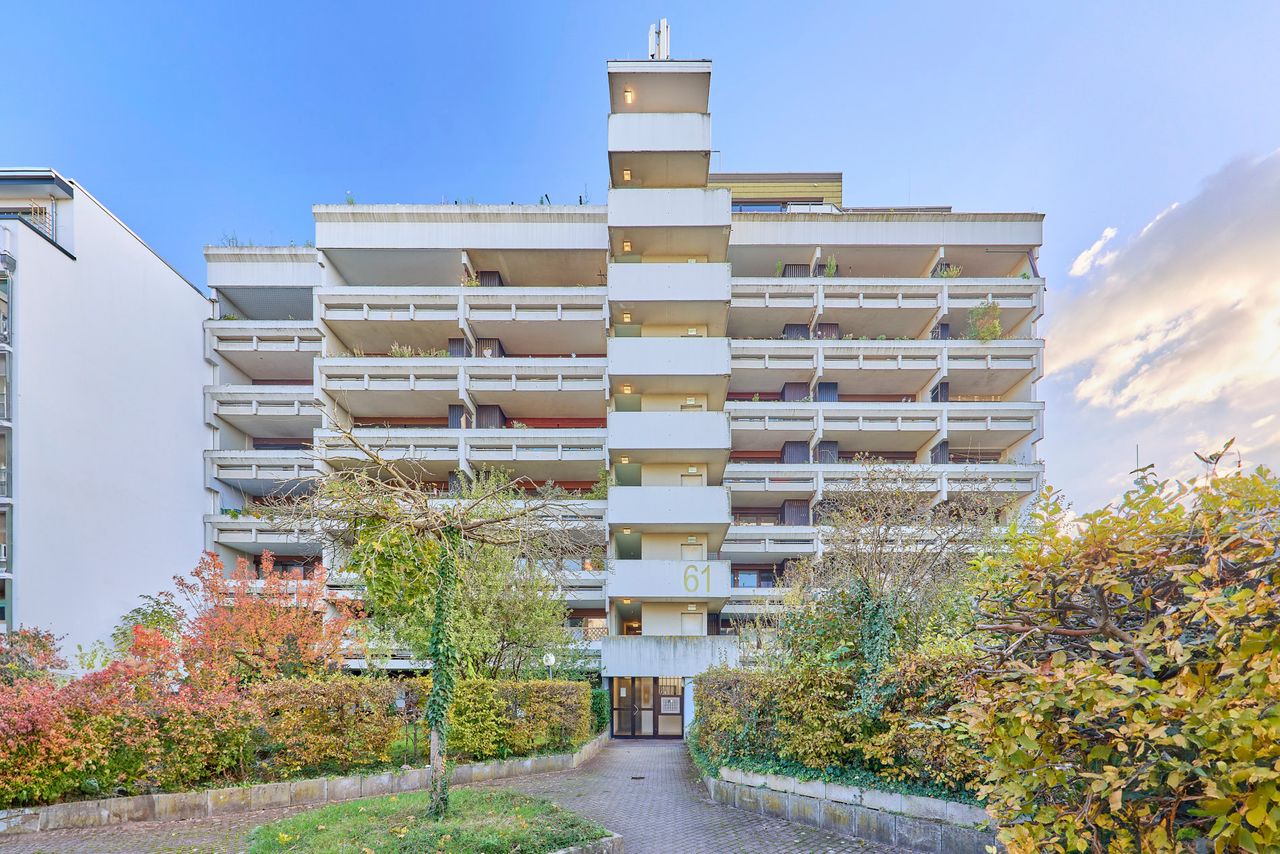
[342, 721]
[500, 718]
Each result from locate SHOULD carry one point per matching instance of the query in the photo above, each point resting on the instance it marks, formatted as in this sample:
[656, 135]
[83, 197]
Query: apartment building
[726, 346]
[100, 412]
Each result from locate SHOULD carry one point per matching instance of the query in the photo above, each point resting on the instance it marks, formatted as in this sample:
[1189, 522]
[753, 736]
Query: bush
[125, 729]
[1136, 705]
[42, 752]
[498, 718]
[315, 723]
[599, 710]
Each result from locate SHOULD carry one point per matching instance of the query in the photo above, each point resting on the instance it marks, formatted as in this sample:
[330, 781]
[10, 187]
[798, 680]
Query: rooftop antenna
[660, 40]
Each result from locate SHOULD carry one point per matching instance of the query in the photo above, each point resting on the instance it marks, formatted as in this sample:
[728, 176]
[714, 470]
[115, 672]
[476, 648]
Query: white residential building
[100, 413]
[724, 345]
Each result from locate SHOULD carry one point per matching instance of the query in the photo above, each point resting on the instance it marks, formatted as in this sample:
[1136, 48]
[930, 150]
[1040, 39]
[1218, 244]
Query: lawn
[491, 821]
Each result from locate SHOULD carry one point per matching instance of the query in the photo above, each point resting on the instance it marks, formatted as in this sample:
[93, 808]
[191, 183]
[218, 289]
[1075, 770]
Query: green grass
[490, 821]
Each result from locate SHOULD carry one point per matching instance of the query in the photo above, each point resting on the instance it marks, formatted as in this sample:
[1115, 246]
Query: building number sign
[697, 579]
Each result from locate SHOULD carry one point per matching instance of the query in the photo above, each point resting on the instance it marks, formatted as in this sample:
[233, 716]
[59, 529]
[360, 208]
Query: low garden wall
[913, 822]
[312, 792]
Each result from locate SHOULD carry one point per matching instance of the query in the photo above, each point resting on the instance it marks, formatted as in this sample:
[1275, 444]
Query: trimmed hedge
[796, 723]
[343, 721]
[500, 718]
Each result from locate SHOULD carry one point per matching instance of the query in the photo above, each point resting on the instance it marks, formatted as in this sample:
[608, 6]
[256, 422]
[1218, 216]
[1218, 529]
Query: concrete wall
[654, 546]
[109, 431]
[667, 618]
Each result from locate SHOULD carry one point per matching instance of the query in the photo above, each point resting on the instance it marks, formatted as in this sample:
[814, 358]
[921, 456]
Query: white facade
[102, 416]
[727, 347]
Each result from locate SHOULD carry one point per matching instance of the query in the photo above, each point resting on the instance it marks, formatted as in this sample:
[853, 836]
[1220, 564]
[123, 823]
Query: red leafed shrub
[42, 750]
[130, 727]
[28, 654]
[253, 627]
[161, 733]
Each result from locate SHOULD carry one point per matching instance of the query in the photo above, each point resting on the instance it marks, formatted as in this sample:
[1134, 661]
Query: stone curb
[611, 844]
[211, 803]
[913, 822]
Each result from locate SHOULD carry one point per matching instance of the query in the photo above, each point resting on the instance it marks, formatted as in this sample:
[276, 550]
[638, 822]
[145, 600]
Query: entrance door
[634, 714]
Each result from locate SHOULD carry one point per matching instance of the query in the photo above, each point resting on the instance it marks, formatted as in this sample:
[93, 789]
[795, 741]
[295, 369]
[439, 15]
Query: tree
[1130, 697]
[252, 628]
[411, 545]
[509, 612]
[889, 544]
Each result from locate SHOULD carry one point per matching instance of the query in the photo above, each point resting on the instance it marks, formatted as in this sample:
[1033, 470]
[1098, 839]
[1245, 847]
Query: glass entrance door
[648, 707]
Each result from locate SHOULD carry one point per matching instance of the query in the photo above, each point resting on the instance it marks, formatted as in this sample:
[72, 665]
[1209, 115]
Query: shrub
[28, 654]
[599, 710]
[499, 718]
[318, 722]
[42, 752]
[736, 713]
[1135, 703]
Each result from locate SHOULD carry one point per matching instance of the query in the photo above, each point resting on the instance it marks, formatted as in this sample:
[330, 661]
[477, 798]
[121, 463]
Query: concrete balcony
[993, 368]
[542, 387]
[564, 456]
[260, 473]
[993, 426]
[638, 655]
[660, 132]
[669, 224]
[568, 320]
[671, 295]
[669, 580]
[426, 453]
[659, 149]
[265, 349]
[389, 387]
[583, 589]
[251, 535]
[771, 543]
[800, 480]
[670, 86]
[372, 320]
[266, 411]
[672, 437]
[679, 509]
[671, 366]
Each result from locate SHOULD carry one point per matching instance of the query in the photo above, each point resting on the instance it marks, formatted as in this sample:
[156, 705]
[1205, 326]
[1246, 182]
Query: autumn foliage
[251, 626]
[1133, 702]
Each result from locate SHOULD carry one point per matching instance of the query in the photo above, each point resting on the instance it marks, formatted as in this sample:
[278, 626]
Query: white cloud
[1085, 260]
[1175, 344]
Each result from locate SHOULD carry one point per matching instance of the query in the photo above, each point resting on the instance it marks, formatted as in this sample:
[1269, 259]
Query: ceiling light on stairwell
[626, 317]
[624, 460]
[626, 174]
[626, 388]
[628, 96]
[626, 246]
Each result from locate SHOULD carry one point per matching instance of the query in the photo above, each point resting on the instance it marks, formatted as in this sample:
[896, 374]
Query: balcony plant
[984, 321]
[949, 271]
[829, 269]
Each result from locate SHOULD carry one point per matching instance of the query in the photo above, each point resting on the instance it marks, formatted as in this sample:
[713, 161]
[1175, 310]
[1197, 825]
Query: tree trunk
[444, 665]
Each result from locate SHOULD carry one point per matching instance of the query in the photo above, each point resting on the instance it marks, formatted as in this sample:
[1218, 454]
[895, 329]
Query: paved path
[665, 811]
[668, 810]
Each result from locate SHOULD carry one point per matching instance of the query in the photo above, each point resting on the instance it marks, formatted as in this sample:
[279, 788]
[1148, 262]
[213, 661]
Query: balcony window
[762, 578]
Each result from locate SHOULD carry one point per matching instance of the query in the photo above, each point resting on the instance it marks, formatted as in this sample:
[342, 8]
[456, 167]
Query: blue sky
[195, 121]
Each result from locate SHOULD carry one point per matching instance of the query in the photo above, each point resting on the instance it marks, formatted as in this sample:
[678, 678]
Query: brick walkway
[669, 811]
[666, 812]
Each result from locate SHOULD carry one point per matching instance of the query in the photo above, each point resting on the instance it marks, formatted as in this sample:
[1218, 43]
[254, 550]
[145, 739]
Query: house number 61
[691, 582]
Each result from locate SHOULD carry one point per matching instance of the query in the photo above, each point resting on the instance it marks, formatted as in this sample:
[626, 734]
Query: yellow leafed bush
[342, 720]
